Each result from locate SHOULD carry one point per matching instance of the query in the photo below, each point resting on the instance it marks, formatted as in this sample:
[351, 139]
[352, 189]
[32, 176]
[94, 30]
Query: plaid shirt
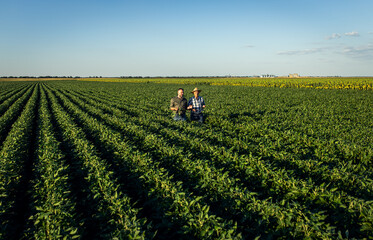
[197, 103]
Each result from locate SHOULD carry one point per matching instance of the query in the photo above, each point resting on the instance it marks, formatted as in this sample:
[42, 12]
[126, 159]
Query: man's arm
[203, 103]
[190, 104]
[172, 106]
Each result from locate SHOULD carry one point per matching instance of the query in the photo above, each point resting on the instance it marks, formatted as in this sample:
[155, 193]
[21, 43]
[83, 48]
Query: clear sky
[186, 38]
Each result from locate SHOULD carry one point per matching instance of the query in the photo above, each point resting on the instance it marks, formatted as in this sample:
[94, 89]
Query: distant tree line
[185, 76]
[226, 76]
[40, 77]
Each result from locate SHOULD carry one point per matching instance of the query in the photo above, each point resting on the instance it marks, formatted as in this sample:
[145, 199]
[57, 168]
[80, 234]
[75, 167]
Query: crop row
[275, 180]
[9, 89]
[15, 161]
[281, 147]
[113, 206]
[11, 111]
[106, 160]
[184, 211]
[282, 159]
[53, 213]
[8, 96]
[284, 133]
[217, 187]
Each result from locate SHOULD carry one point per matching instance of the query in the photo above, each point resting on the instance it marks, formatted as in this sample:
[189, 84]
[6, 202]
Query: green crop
[105, 160]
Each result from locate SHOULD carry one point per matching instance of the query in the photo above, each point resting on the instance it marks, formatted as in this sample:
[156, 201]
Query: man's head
[180, 92]
[196, 92]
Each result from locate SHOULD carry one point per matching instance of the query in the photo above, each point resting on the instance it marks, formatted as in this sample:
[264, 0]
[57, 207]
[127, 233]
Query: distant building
[267, 76]
[294, 75]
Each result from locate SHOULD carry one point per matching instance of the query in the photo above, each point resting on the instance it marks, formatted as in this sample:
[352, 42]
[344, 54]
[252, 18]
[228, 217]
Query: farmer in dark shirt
[179, 105]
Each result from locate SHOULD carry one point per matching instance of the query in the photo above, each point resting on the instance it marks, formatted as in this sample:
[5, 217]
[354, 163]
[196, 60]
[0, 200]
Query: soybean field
[101, 160]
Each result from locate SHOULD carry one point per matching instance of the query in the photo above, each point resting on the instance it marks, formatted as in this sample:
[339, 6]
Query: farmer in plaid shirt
[196, 104]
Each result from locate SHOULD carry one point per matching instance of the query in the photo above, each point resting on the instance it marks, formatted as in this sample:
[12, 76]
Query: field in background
[362, 83]
[105, 160]
[319, 83]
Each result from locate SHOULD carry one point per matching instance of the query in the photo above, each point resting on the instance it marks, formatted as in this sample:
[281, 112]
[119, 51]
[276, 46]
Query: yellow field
[362, 83]
[324, 83]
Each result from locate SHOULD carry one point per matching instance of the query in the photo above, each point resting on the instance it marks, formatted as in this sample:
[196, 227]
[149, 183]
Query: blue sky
[186, 38]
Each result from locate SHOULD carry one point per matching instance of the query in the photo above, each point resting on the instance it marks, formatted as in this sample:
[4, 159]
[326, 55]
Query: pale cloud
[301, 52]
[248, 46]
[333, 36]
[352, 34]
[364, 52]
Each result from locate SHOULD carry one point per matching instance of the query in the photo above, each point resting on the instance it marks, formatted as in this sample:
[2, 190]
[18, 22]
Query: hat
[196, 90]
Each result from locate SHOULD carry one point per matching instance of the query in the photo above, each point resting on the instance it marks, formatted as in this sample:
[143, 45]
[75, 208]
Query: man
[179, 105]
[196, 104]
